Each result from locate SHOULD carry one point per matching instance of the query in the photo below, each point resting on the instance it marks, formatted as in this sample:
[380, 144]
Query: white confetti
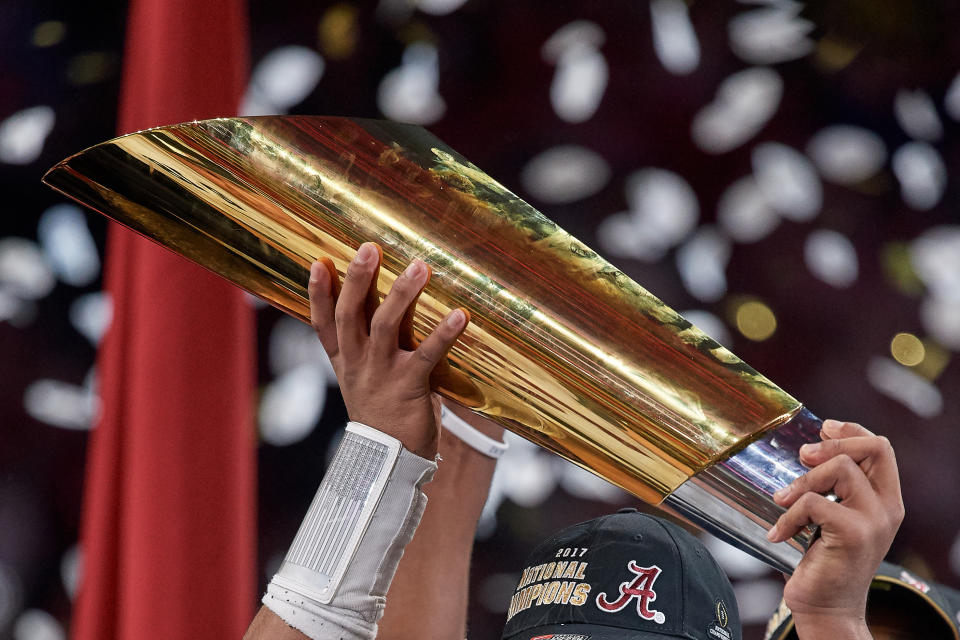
[846, 154]
[702, 263]
[409, 93]
[744, 103]
[917, 115]
[293, 344]
[291, 405]
[439, 7]
[831, 257]
[23, 271]
[573, 35]
[61, 404]
[906, 387]
[744, 214]
[36, 624]
[564, 174]
[935, 257]
[941, 319]
[90, 314]
[582, 73]
[663, 204]
[282, 79]
[71, 566]
[620, 237]
[68, 246]
[674, 40]
[10, 306]
[770, 35]
[951, 101]
[23, 134]
[921, 173]
[788, 181]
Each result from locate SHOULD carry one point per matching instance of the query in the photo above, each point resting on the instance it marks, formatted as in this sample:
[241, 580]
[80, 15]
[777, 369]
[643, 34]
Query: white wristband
[459, 427]
[334, 579]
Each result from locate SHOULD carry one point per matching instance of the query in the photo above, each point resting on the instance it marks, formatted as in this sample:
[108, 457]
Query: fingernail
[810, 448]
[457, 319]
[774, 533]
[780, 494]
[831, 426]
[315, 270]
[365, 253]
[416, 270]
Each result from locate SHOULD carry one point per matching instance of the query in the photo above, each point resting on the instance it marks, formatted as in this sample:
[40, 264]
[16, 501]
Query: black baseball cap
[625, 576]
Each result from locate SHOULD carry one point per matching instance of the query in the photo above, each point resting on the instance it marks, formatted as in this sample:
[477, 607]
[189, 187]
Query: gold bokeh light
[755, 320]
[339, 31]
[48, 34]
[907, 349]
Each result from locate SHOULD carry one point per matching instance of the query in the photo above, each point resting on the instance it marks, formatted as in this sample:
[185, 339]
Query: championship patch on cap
[623, 576]
[718, 629]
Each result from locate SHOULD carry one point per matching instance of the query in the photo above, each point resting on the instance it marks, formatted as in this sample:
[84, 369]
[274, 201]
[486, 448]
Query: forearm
[431, 584]
[333, 581]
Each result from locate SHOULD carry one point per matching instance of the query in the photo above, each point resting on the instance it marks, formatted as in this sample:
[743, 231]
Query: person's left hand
[384, 377]
[829, 588]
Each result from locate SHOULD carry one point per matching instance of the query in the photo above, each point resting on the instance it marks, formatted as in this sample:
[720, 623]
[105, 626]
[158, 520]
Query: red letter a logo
[641, 588]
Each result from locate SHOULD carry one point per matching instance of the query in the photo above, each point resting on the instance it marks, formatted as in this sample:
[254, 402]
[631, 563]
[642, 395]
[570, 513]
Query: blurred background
[784, 174]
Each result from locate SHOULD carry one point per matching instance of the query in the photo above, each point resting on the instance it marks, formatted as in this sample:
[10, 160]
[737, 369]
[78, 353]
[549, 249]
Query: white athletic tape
[336, 574]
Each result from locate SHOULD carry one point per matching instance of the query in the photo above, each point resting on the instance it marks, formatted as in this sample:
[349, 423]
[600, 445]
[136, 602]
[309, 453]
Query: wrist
[426, 449]
[412, 435]
[839, 625]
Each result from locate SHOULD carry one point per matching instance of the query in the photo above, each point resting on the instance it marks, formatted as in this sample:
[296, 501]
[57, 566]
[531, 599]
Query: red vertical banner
[168, 533]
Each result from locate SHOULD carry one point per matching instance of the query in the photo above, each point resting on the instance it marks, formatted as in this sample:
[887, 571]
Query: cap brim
[589, 632]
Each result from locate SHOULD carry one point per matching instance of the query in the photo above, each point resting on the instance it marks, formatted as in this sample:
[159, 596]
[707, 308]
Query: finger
[436, 345]
[407, 340]
[350, 314]
[859, 448]
[385, 325]
[373, 294]
[874, 454]
[840, 475]
[837, 429]
[334, 276]
[320, 289]
[810, 509]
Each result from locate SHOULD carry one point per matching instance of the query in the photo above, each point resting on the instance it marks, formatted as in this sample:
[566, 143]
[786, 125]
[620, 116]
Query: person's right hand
[384, 385]
[827, 592]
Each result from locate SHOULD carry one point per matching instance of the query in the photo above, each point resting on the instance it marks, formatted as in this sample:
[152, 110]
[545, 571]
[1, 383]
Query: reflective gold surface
[563, 348]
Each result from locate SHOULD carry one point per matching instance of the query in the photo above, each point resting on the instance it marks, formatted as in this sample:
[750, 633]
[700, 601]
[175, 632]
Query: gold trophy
[562, 348]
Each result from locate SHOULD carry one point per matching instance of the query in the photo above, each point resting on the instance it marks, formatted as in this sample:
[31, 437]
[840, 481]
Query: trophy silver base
[733, 499]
